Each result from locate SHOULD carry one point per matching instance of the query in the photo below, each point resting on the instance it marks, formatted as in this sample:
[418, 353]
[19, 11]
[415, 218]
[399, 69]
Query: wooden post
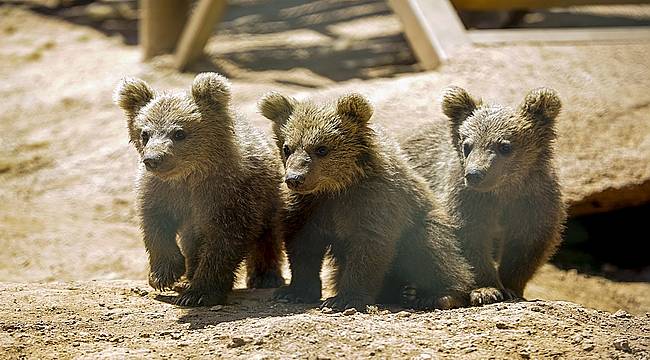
[161, 24]
[198, 31]
[432, 28]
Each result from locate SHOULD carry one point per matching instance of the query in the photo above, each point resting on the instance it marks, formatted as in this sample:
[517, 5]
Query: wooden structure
[432, 27]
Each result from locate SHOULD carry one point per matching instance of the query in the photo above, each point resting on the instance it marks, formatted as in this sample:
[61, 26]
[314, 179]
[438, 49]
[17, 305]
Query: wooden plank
[572, 35]
[433, 29]
[198, 31]
[535, 4]
[161, 25]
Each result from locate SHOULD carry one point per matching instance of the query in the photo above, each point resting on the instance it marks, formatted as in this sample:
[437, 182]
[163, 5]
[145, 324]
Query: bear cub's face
[174, 133]
[321, 145]
[497, 145]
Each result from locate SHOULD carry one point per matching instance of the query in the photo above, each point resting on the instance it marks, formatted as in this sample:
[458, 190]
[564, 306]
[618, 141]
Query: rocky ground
[123, 319]
[66, 176]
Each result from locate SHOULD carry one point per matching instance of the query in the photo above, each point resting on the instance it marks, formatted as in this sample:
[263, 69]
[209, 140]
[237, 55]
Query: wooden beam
[432, 28]
[570, 35]
[161, 25]
[534, 4]
[198, 31]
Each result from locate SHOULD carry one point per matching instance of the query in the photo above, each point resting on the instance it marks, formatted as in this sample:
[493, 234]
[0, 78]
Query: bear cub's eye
[322, 151]
[467, 148]
[505, 148]
[286, 150]
[145, 137]
[179, 135]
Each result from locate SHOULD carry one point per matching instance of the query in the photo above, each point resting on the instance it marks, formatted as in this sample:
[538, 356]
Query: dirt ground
[123, 319]
[67, 170]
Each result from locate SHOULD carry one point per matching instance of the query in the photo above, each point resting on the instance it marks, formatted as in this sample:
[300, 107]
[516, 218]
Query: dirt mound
[108, 319]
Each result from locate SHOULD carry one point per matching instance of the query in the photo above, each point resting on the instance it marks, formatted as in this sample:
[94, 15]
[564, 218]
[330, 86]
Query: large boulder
[603, 147]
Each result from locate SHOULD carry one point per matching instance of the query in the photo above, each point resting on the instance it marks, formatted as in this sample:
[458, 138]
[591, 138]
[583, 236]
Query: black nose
[152, 162]
[294, 180]
[474, 177]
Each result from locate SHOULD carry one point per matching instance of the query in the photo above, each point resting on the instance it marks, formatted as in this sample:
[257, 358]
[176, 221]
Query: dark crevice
[612, 244]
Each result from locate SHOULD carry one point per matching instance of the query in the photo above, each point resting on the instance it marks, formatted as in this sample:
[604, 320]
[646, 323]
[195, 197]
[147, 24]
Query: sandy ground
[66, 176]
[122, 319]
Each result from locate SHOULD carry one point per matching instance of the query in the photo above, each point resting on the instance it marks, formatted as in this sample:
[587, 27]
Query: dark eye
[322, 151]
[505, 148]
[286, 150]
[179, 135]
[145, 137]
[467, 148]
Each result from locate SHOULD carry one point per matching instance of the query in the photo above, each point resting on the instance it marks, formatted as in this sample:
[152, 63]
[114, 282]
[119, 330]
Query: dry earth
[122, 319]
[66, 173]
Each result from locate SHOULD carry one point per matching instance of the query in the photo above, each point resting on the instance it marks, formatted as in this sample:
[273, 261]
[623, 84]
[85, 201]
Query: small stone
[216, 308]
[576, 339]
[588, 347]
[76, 344]
[404, 314]
[623, 345]
[622, 314]
[326, 310]
[350, 311]
[501, 325]
[425, 356]
[237, 342]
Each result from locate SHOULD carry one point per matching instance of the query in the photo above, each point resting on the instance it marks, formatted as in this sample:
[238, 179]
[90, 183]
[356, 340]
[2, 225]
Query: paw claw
[485, 296]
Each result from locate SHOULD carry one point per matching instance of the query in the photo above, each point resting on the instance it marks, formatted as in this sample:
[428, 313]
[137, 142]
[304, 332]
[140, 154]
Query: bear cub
[211, 180]
[350, 191]
[492, 167]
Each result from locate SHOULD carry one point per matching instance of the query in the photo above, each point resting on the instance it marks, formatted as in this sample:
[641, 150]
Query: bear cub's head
[499, 146]
[177, 134]
[323, 147]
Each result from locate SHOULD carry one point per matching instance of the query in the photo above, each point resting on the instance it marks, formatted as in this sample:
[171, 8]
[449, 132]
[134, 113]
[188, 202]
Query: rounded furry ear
[211, 89]
[355, 106]
[541, 104]
[131, 95]
[276, 107]
[458, 104]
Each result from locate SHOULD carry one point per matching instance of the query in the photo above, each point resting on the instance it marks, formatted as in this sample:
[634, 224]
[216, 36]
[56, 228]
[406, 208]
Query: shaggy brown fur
[493, 168]
[351, 191]
[209, 178]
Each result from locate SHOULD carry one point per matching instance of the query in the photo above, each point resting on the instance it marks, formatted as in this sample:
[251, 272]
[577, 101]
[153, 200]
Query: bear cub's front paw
[342, 302]
[487, 295]
[193, 297]
[164, 274]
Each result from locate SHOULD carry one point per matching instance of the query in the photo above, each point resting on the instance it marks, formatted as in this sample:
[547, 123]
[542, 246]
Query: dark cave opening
[611, 244]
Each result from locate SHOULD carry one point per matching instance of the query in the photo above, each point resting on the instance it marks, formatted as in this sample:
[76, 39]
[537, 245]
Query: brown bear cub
[350, 191]
[208, 178]
[493, 169]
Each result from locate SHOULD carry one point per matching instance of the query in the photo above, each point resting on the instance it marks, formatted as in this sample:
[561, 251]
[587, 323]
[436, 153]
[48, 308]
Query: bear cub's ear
[276, 107]
[541, 104]
[354, 106]
[458, 104]
[211, 89]
[131, 95]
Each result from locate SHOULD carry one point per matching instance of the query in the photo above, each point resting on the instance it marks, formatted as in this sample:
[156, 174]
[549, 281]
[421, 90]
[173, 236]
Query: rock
[216, 308]
[238, 341]
[403, 314]
[622, 314]
[603, 146]
[623, 345]
[350, 311]
[327, 310]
